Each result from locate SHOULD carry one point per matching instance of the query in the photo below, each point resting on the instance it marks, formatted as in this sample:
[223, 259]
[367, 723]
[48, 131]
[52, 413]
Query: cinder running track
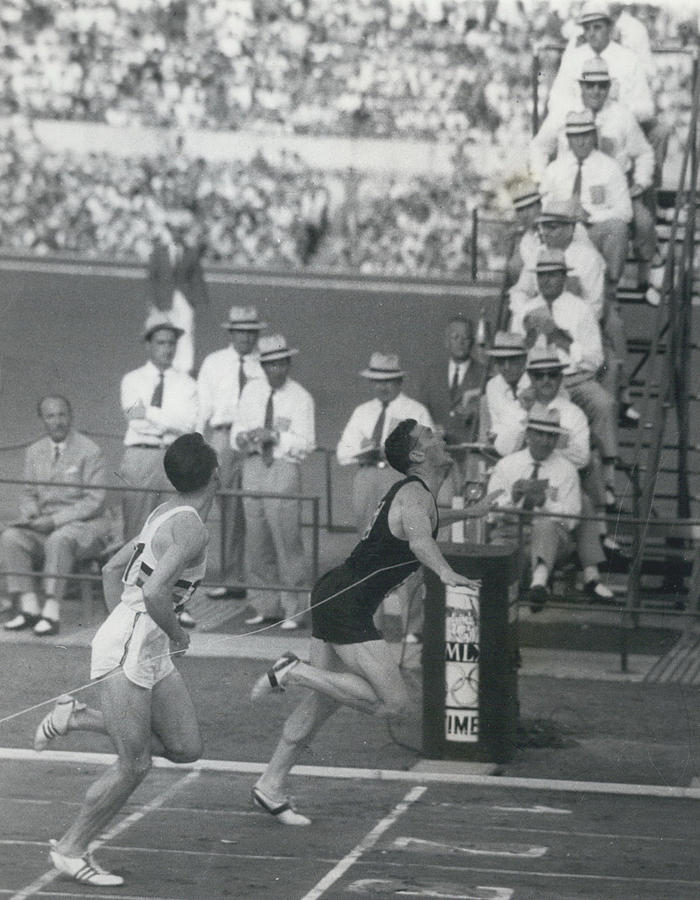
[191, 834]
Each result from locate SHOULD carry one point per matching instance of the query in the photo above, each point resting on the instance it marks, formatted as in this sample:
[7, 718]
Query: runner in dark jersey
[344, 600]
[350, 663]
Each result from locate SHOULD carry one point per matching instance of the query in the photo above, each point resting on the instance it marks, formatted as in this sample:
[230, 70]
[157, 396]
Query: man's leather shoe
[537, 597]
[227, 593]
[46, 627]
[21, 621]
[599, 593]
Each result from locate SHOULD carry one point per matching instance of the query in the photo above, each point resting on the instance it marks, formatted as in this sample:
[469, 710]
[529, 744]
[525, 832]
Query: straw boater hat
[383, 367]
[543, 358]
[507, 344]
[243, 318]
[560, 211]
[595, 71]
[525, 194]
[274, 346]
[157, 321]
[580, 122]
[542, 419]
[592, 11]
[551, 261]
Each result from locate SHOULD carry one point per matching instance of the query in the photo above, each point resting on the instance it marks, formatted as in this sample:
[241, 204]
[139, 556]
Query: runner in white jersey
[145, 707]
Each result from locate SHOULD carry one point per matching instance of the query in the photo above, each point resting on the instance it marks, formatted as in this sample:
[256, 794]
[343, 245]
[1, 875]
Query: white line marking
[538, 810]
[521, 851]
[493, 781]
[394, 887]
[116, 829]
[365, 844]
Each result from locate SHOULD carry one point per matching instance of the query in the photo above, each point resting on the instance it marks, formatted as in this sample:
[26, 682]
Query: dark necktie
[157, 398]
[56, 453]
[241, 377]
[267, 448]
[379, 428]
[455, 380]
[529, 502]
[576, 191]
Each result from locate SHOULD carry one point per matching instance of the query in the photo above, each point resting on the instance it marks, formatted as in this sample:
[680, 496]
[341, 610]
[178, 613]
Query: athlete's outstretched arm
[417, 527]
[473, 511]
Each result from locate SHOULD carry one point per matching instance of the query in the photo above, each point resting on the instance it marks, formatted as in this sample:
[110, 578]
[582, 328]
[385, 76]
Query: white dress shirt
[586, 278]
[357, 434]
[619, 135]
[563, 492]
[628, 79]
[161, 424]
[506, 413]
[604, 190]
[575, 445]
[293, 419]
[218, 385]
[573, 315]
[460, 367]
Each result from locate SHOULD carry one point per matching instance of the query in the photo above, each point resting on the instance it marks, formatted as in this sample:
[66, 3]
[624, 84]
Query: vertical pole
[315, 523]
[223, 548]
[535, 93]
[329, 489]
[475, 242]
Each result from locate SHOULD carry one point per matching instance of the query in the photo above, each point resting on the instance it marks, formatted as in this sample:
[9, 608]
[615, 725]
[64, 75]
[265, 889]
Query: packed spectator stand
[456, 73]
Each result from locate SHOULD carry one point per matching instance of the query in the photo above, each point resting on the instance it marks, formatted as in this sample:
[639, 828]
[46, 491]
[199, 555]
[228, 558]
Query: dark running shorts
[347, 618]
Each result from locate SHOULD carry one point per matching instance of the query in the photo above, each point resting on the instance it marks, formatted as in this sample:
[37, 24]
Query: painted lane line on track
[538, 810]
[387, 886]
[365, 844]
[522, 851]
[116, 829]
[492, 781]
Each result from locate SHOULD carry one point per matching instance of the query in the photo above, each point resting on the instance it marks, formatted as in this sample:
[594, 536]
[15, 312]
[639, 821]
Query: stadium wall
[75, 328]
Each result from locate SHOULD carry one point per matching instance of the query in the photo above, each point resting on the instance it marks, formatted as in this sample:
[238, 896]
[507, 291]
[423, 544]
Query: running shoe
[83, 869]
[55, 723]
[274, 678]
[281, 810]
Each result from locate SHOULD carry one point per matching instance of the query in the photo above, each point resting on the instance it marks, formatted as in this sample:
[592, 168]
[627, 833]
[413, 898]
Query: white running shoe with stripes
[83, 869]
[55, 723]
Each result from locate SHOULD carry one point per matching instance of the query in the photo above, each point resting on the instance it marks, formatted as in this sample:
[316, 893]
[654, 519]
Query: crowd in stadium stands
[430, 69]
[422, 69]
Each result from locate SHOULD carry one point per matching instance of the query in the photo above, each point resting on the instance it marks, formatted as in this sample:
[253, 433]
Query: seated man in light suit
[59, 524]
[538, 478]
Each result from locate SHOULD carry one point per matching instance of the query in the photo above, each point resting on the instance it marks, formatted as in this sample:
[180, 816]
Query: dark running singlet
[378, 563]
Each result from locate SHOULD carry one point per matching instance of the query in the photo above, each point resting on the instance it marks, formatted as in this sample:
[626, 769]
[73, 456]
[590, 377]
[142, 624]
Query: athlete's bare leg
[130, 714]
[372, 685]
[301, 725]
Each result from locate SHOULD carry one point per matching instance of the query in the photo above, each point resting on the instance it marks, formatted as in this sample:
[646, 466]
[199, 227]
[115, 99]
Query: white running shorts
[131, 640]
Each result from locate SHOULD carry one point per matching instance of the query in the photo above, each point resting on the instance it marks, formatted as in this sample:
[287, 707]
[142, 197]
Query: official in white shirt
[362, 440]
[159, 403]
[275, 429]
[221, 379]
[506, 393]
[540, 479]
[564, 320]
[586, 267]
[598, 185]
[619, 136]
[630, 84]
